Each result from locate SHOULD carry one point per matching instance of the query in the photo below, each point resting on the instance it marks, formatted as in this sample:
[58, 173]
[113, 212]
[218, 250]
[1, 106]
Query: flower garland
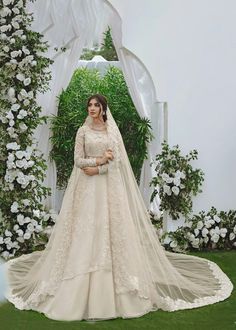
[176, 181]
[24, 72]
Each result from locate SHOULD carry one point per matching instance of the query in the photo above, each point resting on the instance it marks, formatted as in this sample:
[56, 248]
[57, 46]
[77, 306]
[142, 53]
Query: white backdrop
[189, 48]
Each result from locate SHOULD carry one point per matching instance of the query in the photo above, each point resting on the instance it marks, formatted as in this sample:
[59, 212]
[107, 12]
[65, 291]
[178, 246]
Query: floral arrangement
[205, 231]
[24, 71]
[176, 181]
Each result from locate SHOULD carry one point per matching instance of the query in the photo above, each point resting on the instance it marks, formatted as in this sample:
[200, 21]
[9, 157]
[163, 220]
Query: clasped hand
[92, 170]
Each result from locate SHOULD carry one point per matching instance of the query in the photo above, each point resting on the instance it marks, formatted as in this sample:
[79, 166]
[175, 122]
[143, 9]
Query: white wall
[189, 48]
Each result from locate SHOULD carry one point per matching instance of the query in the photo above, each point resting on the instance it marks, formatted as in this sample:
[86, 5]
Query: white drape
[76, 24]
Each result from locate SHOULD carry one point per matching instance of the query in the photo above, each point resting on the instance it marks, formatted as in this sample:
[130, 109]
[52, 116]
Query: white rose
[196, 231]
[27, 235]
[15, 107]
[8, 233]
[13, 146]
[206, 239]
[16, 227]
[15, 25]
[23, 127]
[20, 76]
[1, 240]
[14, 207]
[20, 219]
[16, 10]
[216, 218]
[20, 232]
[204, 232]
[167, 189]
[176, 181]
[22, 114]
[199, 224]
[5, 254]
[26, 102]
[234, 229]
[27, 220]
[30, 227]
[27, 81]
[175, 190]
[173, 244]
[20, 154]
[26, 202]
[223, 232]
[20, 239]
[6, 49]
[215, 238]
[231, 236]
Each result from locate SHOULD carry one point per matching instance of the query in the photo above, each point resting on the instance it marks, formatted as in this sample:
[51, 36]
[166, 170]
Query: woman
[103, 259]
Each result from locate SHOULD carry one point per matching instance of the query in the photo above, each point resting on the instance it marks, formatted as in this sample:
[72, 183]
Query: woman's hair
[102, 100]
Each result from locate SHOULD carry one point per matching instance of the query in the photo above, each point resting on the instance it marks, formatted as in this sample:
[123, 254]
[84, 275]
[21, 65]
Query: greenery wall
[136, 131]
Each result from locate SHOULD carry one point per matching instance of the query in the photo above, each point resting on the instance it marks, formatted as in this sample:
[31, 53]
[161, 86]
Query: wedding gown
[103, 259]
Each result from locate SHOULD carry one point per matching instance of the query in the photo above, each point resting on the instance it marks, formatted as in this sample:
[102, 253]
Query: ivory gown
[103, 259]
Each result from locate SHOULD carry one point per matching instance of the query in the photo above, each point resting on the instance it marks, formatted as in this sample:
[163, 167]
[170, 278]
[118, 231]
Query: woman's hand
[109, 154]
[90, 170]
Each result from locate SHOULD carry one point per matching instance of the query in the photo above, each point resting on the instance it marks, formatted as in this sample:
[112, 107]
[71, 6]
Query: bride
[103, 259]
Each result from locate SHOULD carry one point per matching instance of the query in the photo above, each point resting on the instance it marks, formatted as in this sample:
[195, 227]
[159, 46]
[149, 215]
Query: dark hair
[102, 100]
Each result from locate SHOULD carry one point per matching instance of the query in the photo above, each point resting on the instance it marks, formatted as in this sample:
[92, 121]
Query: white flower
[27, 235]
[13, 146]
[10, 115]
[7, 2]
[223, 232]
[23, 127]
[36, 213]
[15, 53]
[5, 28]
[20, 219]
[189, 224]
[199, 224]
[30, 228]
[173, 244]
[176, 181]
[165, 176]
[180, 174]
[6, 49]
[12, 40]
[38, 228]
[26, 102]
[20, 233]
[216, 218]
[22, 114]
[1, 240]
[16, 227]
[167, 190]
[19, 4]
[27, 81]
[234, 229]
[16, 10]
[26, 202]
[20, 154]
[15, 107]
[20, 76]
[231, 236]
[195, 243]
[8, 233]
[204, 232]
[175, 190]
[15, 24]
[27, 219]
[206, 239]
[14, 207]
[215, 238]
[196, 231]
[5, 254]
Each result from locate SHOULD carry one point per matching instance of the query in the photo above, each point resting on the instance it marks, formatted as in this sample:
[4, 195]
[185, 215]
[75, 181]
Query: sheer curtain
[75, 24]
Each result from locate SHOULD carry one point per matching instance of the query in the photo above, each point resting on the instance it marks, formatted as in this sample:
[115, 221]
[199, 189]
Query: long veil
[140, 265]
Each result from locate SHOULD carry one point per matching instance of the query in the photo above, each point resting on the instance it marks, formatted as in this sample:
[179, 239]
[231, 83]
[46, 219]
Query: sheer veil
[140, 265]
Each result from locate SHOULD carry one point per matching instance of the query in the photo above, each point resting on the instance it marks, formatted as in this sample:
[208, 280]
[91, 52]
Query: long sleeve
[79, 154]
[102, 169]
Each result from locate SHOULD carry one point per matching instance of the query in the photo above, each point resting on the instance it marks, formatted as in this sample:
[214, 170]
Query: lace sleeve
[102, 169]
[79, 154]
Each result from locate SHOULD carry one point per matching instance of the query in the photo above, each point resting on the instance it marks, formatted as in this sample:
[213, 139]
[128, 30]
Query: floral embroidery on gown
[103, 259]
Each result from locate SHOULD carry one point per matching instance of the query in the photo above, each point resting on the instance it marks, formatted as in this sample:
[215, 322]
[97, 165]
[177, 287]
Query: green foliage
[176, 181]
[72, 113]
[107, 50]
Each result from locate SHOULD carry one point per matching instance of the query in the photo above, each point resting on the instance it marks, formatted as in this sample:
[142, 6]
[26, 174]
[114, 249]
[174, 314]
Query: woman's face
[94, 108]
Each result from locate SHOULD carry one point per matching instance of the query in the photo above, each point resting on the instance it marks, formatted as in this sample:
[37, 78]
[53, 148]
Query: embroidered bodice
[90, 144]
